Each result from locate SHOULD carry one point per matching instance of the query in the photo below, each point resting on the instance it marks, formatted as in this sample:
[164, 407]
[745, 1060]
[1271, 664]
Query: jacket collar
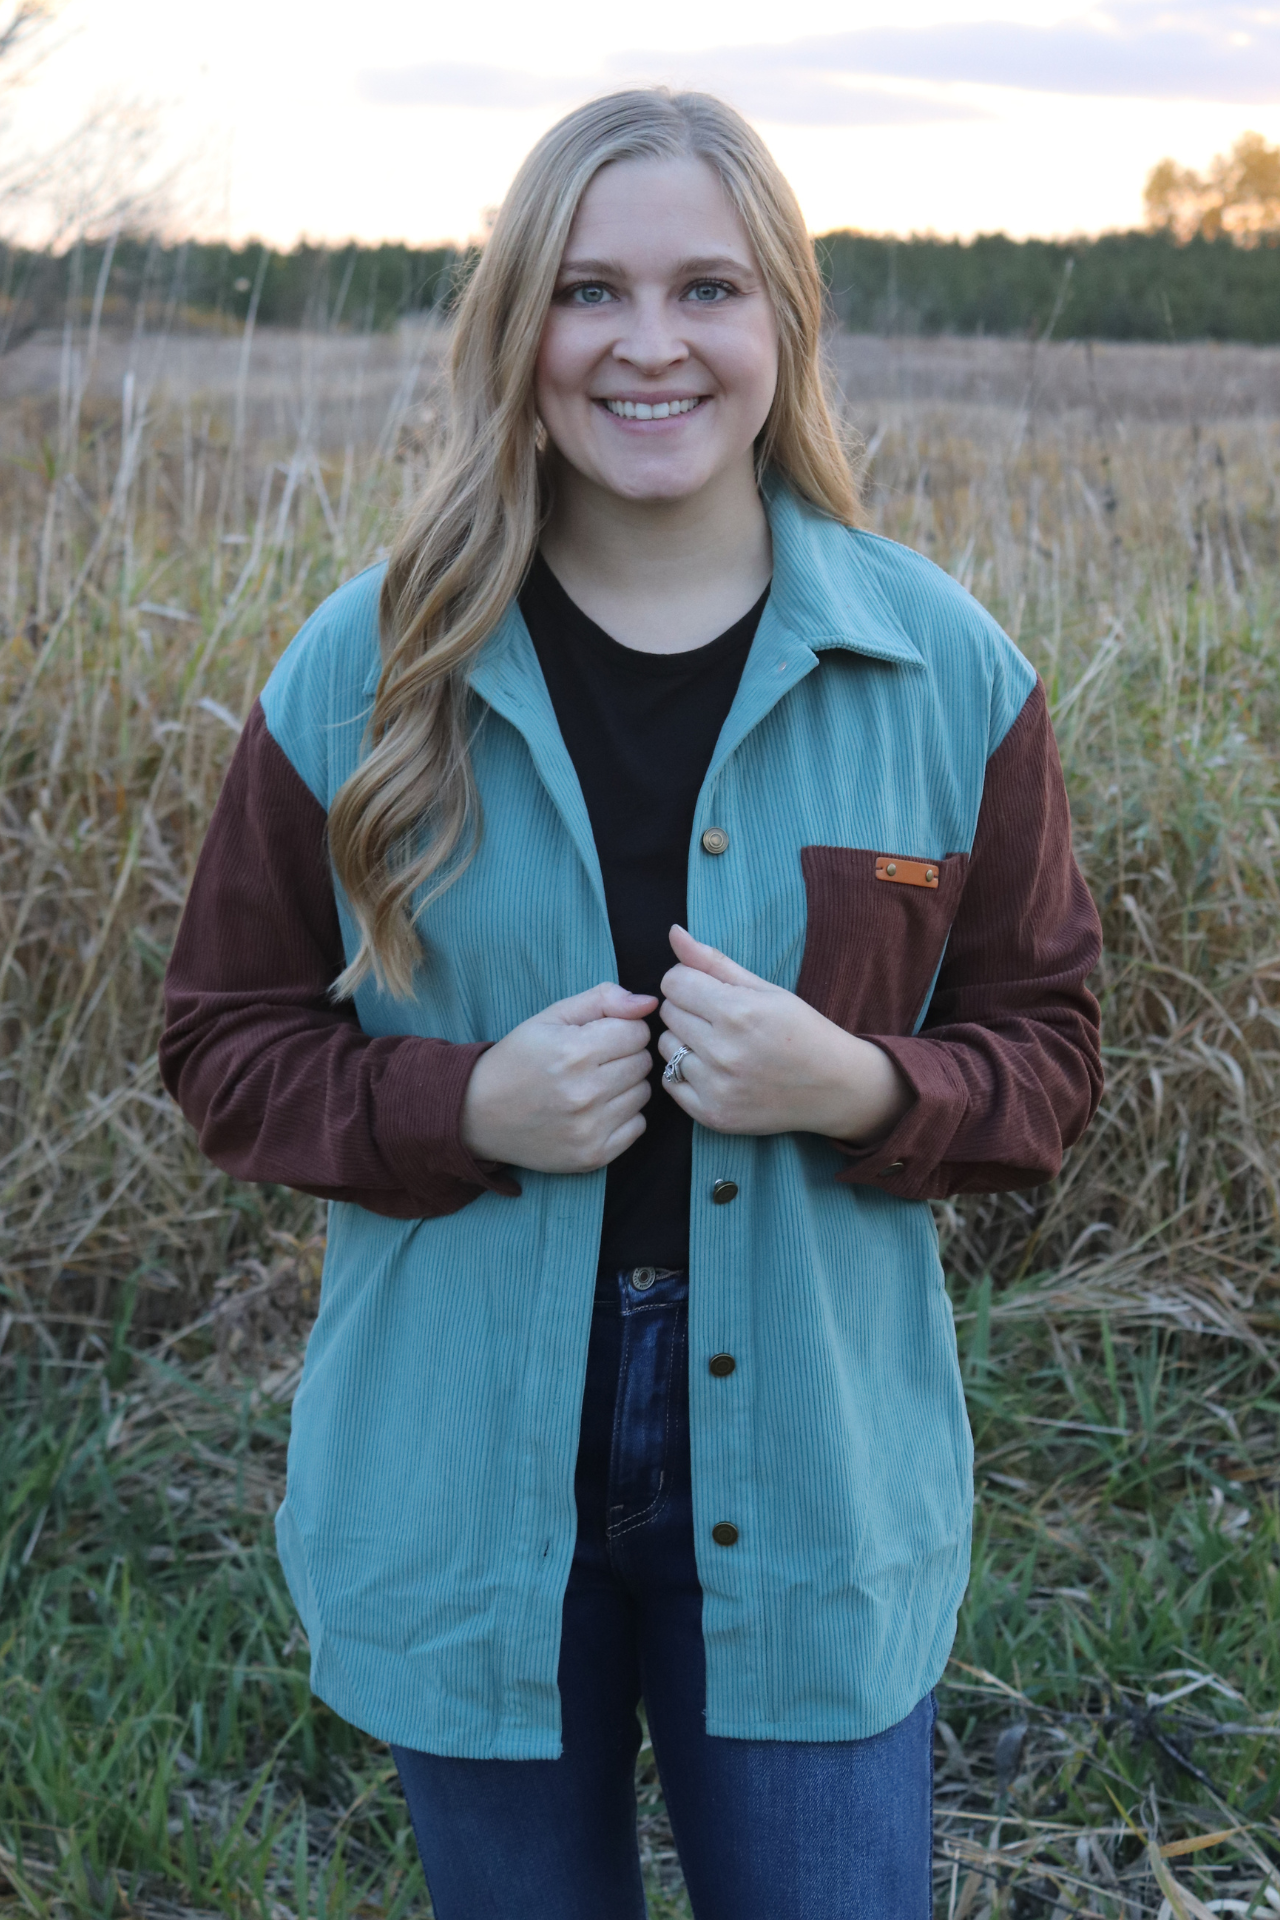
[823, 594]
[824, 590]
[508, 678]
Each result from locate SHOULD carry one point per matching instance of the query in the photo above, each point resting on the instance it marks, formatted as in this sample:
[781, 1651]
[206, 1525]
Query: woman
[634, 1376]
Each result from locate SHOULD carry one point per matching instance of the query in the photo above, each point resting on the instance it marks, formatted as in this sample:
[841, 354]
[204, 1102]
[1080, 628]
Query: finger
[615, 1039]
[687, 1031]
[608, 1001]
[683, 1092]
[695, 953]
[691, 1069]
[630, 1100]
[620, 1112]
[691, 1097]
[698, 993]
[620, 1076]
[625, 1136]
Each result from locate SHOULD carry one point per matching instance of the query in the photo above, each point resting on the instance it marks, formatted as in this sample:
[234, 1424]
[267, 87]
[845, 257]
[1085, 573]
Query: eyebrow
[614, 270]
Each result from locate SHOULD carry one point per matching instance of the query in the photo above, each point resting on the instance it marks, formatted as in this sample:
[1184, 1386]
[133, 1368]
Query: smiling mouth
[655, 410]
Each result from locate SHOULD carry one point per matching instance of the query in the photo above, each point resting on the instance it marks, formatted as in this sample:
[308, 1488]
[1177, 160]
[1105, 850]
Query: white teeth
[642, 410]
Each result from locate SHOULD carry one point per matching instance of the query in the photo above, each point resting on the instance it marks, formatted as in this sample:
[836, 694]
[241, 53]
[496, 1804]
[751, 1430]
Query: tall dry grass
[170, 510]
[159, 546]
[1135, 560]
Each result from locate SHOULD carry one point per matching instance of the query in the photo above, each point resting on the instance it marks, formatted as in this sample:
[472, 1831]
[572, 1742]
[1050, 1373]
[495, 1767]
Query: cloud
[1139, 48]
[463, 86]
[800, 94]
[1136, 47]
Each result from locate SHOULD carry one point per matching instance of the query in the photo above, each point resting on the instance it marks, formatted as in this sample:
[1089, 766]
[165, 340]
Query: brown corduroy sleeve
[280, 1084]
[1007, 1067]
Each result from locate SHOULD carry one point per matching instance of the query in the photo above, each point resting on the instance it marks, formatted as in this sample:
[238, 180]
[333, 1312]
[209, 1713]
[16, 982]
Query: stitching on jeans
[664, 1493]
[933, 1722]
[617, 1416]
[642, 1518]
[660, 1498]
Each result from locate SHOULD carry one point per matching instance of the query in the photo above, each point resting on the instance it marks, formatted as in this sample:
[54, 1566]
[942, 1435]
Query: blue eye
[587, 294]
[706, 293]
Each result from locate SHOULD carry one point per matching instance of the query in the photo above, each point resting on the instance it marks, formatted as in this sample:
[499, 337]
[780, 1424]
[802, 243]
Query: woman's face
[659, 358]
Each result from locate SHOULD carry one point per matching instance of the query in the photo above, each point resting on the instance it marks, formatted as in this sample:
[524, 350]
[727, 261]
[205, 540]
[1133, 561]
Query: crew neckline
[542, 579]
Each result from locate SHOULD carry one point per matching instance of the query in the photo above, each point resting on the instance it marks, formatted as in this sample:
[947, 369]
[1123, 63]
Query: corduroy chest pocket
[877, 927]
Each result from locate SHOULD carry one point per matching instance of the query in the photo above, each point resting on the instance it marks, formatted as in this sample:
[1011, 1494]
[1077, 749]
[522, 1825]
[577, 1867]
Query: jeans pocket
[651, 1433]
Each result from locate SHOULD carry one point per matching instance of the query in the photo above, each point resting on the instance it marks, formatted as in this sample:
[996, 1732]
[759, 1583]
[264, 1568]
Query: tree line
[211, 285]
[1145, 285]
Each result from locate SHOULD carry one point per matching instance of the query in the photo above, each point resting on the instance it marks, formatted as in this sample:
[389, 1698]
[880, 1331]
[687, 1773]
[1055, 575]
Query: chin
[653, 483]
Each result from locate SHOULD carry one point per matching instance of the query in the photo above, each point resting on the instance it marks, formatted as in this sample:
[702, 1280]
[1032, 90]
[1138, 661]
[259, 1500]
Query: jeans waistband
[630, 1287]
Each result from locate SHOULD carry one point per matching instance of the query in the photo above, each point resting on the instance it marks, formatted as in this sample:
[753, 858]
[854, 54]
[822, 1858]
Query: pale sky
[391, 120]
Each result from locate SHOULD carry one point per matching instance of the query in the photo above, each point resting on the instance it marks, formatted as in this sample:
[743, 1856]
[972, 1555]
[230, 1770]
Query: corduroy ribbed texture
[429, 1522]
[1006, 1064]
[280, 1083]
[976, 988]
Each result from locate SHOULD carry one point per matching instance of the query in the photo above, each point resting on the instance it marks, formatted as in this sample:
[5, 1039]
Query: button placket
[728, 1405]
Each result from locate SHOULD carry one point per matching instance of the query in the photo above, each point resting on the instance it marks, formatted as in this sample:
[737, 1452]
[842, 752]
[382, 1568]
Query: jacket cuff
[419, 1117]
[906, 1159]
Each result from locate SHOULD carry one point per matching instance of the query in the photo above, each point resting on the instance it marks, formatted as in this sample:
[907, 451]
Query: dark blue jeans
[766, 1829]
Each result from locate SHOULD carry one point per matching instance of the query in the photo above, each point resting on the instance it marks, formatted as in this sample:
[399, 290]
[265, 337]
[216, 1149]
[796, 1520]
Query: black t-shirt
[640, 729]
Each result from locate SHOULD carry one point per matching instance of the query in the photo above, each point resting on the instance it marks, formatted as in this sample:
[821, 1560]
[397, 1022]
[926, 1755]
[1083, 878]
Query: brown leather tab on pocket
[906, 873]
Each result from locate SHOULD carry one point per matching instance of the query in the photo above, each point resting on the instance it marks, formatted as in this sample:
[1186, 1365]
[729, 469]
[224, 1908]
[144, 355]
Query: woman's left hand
[762, 1061]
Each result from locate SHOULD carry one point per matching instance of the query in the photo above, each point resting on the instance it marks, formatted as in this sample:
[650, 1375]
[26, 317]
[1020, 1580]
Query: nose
[651, 342]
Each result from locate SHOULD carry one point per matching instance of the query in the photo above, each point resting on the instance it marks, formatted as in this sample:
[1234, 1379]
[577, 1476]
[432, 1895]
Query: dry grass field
[170, 510]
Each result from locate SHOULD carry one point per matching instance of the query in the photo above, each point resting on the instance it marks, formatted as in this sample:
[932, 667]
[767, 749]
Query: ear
[695, 953]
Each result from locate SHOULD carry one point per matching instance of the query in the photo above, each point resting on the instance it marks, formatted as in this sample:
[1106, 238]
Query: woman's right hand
[563, 1092]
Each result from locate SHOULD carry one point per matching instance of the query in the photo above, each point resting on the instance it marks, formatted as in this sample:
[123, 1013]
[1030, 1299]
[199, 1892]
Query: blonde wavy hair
[407, 822]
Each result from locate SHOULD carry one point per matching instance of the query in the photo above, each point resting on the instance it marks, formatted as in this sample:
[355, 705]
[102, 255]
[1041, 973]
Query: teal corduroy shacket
[429, 1523]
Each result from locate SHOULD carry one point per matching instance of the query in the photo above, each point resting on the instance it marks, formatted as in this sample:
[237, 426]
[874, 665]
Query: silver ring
[673, 1071]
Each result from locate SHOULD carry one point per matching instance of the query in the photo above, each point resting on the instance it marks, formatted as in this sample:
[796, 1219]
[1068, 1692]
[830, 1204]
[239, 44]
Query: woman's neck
[662, 576]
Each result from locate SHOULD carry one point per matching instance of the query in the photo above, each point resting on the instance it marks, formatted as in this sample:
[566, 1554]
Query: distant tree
[99, 177]
[21, 21]
[1239, 195]
[21, 25]
[1173, 198]
[95, 182]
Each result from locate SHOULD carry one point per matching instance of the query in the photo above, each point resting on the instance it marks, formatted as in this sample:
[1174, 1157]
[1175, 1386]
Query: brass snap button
[723, 1191]
[931, 873]
[892, 868]
[725, 1534]
[642, 1278]
[714, 840]
[722, 1365]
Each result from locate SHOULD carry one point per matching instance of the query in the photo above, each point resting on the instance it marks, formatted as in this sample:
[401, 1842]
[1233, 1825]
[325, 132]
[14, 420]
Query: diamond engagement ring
[673, 1070]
